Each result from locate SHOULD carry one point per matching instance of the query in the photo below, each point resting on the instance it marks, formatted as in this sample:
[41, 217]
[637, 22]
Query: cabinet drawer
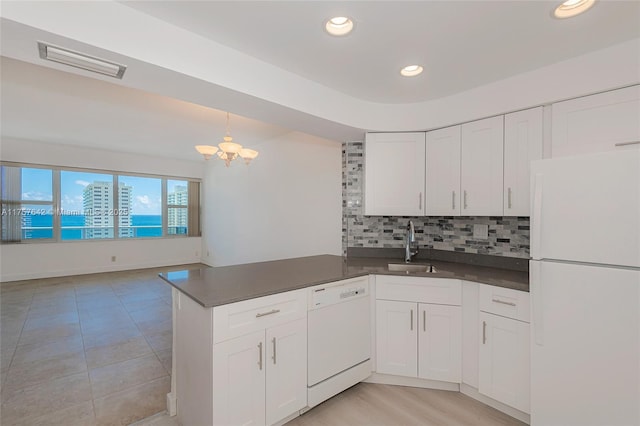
[240, 318]
[443, 291]
[504, 302]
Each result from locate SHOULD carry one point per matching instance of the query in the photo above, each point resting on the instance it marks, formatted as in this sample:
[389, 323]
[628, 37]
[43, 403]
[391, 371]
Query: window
[52, 204]
[141, 197]
[27, 203]
[87, 205]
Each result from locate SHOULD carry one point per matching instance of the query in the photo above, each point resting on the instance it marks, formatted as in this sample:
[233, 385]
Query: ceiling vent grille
[80, 60]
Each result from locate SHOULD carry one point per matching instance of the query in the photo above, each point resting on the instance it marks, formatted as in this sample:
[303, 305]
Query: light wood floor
[368, 404]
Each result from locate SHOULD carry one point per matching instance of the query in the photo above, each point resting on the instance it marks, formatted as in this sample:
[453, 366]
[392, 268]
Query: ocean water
[144, 226]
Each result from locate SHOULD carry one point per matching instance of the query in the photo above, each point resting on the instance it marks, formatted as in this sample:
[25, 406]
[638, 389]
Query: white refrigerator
[585, 290]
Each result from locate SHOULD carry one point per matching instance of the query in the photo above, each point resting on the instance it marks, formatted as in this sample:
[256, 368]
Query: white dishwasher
[339, 338]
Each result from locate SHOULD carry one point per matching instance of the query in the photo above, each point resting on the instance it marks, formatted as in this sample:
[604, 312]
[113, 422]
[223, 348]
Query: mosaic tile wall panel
[508, 236]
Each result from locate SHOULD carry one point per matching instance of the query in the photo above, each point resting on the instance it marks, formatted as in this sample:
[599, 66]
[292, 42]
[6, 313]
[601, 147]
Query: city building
[177, 217]
[100, 211]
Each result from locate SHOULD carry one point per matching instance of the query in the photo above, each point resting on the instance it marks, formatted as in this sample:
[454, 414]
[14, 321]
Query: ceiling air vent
[80, 60]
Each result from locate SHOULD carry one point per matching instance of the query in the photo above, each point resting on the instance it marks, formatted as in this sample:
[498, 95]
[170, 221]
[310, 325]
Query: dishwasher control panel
[338, 292]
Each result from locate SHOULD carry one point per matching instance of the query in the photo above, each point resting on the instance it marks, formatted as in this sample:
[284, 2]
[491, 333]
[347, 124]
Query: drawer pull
[274, 350]
[503, 302]
[509, 198]
[412, 320]
[260, 355]
[484, 332]
[264, 314]
[628, 143]
[453, 200]
[424, 320]
[464, 199]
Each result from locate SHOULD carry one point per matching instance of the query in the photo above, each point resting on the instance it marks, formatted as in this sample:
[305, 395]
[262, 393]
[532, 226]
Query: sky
[146, 192]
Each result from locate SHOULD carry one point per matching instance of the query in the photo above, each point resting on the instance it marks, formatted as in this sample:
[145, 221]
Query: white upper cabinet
[394, 174]
[522, 144]
[443, 172]
[600, 122]
[482, 167]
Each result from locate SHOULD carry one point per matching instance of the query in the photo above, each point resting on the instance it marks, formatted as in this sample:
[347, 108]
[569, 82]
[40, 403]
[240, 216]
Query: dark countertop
[212, 287]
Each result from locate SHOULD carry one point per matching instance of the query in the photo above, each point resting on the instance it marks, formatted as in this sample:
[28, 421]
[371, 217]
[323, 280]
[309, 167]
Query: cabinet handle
[628, 143]
[453, 200]
[509, 198]
[424, 320]
[484, 332]
[464, 204]
[420, 201]
[503, 302]
[274, 349]
[260, 355]
[412, 320]
[264, 314]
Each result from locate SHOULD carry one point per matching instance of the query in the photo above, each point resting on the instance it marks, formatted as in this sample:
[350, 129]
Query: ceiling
[272, 65]
[461, 44]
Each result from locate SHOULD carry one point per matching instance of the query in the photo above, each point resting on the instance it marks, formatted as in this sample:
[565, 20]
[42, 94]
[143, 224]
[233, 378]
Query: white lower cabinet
[418, 340]
[440, 342]
[260, 378]
[239, 382]
[504, 334]
[396, 338]
[286, 367]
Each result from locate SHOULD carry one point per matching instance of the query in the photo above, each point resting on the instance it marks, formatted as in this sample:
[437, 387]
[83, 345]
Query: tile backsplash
[507, 236]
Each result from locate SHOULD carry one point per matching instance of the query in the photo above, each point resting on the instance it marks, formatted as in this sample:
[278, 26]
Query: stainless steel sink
[411, 267]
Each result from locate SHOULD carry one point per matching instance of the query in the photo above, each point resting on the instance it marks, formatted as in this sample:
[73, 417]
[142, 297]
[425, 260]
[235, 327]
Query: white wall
[287, 203]
[38, 260]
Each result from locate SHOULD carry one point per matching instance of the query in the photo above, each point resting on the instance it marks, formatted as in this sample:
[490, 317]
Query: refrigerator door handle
[535, 269]
[536, 217]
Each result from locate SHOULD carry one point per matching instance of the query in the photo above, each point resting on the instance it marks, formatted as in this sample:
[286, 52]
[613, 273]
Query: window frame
[56, 203]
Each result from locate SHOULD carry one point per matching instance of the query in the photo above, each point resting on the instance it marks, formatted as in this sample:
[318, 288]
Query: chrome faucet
[411, 238]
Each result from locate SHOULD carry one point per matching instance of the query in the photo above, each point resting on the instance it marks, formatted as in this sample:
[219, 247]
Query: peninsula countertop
[215, 286]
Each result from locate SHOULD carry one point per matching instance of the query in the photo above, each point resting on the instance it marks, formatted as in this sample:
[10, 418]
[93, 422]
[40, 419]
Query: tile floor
[85, 350]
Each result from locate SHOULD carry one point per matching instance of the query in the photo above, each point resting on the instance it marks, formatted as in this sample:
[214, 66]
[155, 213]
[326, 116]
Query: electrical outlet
[113, 258]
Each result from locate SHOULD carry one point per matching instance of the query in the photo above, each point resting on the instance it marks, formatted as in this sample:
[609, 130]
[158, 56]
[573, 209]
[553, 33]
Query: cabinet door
[440, 342]
[239, 381]
[522, 144]
[394, 174]
[286, 365]
[396, 338]
[443, 172]
[482, 167]
[505, 360]
[596, 123]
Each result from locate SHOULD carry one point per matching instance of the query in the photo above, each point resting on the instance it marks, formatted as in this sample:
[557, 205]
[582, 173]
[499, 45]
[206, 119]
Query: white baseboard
[172, 404]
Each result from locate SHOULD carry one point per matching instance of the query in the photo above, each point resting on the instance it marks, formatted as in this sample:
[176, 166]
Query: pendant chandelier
[227, 150]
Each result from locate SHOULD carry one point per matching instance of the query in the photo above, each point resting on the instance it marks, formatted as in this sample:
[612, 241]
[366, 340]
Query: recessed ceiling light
[572, 8]
[411, 70]
[339, 26]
